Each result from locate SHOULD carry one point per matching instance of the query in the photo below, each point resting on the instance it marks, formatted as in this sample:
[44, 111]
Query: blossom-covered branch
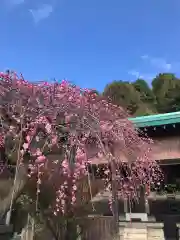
[57, 130]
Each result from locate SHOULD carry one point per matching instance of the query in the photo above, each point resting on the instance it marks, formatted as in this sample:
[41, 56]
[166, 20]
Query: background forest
[140, 99]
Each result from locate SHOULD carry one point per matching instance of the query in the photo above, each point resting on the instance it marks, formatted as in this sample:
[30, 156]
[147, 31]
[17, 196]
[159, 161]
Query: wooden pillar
[147, 205]
[139, 210]
[125, 205]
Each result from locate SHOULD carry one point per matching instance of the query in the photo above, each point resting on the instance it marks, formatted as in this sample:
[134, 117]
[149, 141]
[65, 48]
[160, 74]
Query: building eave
[156, 120]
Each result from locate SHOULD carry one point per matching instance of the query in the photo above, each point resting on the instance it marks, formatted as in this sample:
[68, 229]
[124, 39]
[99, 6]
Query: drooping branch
[41, 124]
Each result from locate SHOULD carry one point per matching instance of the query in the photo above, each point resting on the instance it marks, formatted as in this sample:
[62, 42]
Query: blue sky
[92, 42]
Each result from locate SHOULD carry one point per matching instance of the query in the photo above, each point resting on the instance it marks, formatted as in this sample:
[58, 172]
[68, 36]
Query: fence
[102, 228]
[91, 228]
[98, 228]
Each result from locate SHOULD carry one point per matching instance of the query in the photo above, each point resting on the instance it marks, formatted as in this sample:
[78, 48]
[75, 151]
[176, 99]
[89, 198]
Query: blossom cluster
[61, 129]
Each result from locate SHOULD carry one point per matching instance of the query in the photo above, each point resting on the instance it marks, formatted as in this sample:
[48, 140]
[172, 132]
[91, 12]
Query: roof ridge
[156, 119]
[155, 115]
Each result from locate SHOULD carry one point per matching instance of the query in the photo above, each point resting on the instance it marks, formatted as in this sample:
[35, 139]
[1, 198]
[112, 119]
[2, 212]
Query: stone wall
[6, 232]
[101, 228]
[178, 229]
[127, 231]
[141, 231]
[155, 231]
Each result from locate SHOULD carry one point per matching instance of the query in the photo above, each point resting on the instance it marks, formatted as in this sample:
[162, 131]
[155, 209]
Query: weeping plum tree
[53, 132]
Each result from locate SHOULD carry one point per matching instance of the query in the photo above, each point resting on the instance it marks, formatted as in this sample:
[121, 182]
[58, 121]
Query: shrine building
[163, 203]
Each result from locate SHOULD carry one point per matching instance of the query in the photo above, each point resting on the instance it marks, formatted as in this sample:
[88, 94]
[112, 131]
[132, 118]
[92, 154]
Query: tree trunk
[71, 229]
[115, 208]
[15, 191]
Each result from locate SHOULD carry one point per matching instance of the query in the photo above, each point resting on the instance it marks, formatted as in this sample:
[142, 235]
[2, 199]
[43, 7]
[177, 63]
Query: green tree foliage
[141, 99]
[166, 87]
[146, 93]
[148, 99]
[174, 99]
[123, 94]
[136, 97]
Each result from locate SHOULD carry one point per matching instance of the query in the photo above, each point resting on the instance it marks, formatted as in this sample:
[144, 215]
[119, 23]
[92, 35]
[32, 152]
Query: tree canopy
[139, 98]
[53, 132]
